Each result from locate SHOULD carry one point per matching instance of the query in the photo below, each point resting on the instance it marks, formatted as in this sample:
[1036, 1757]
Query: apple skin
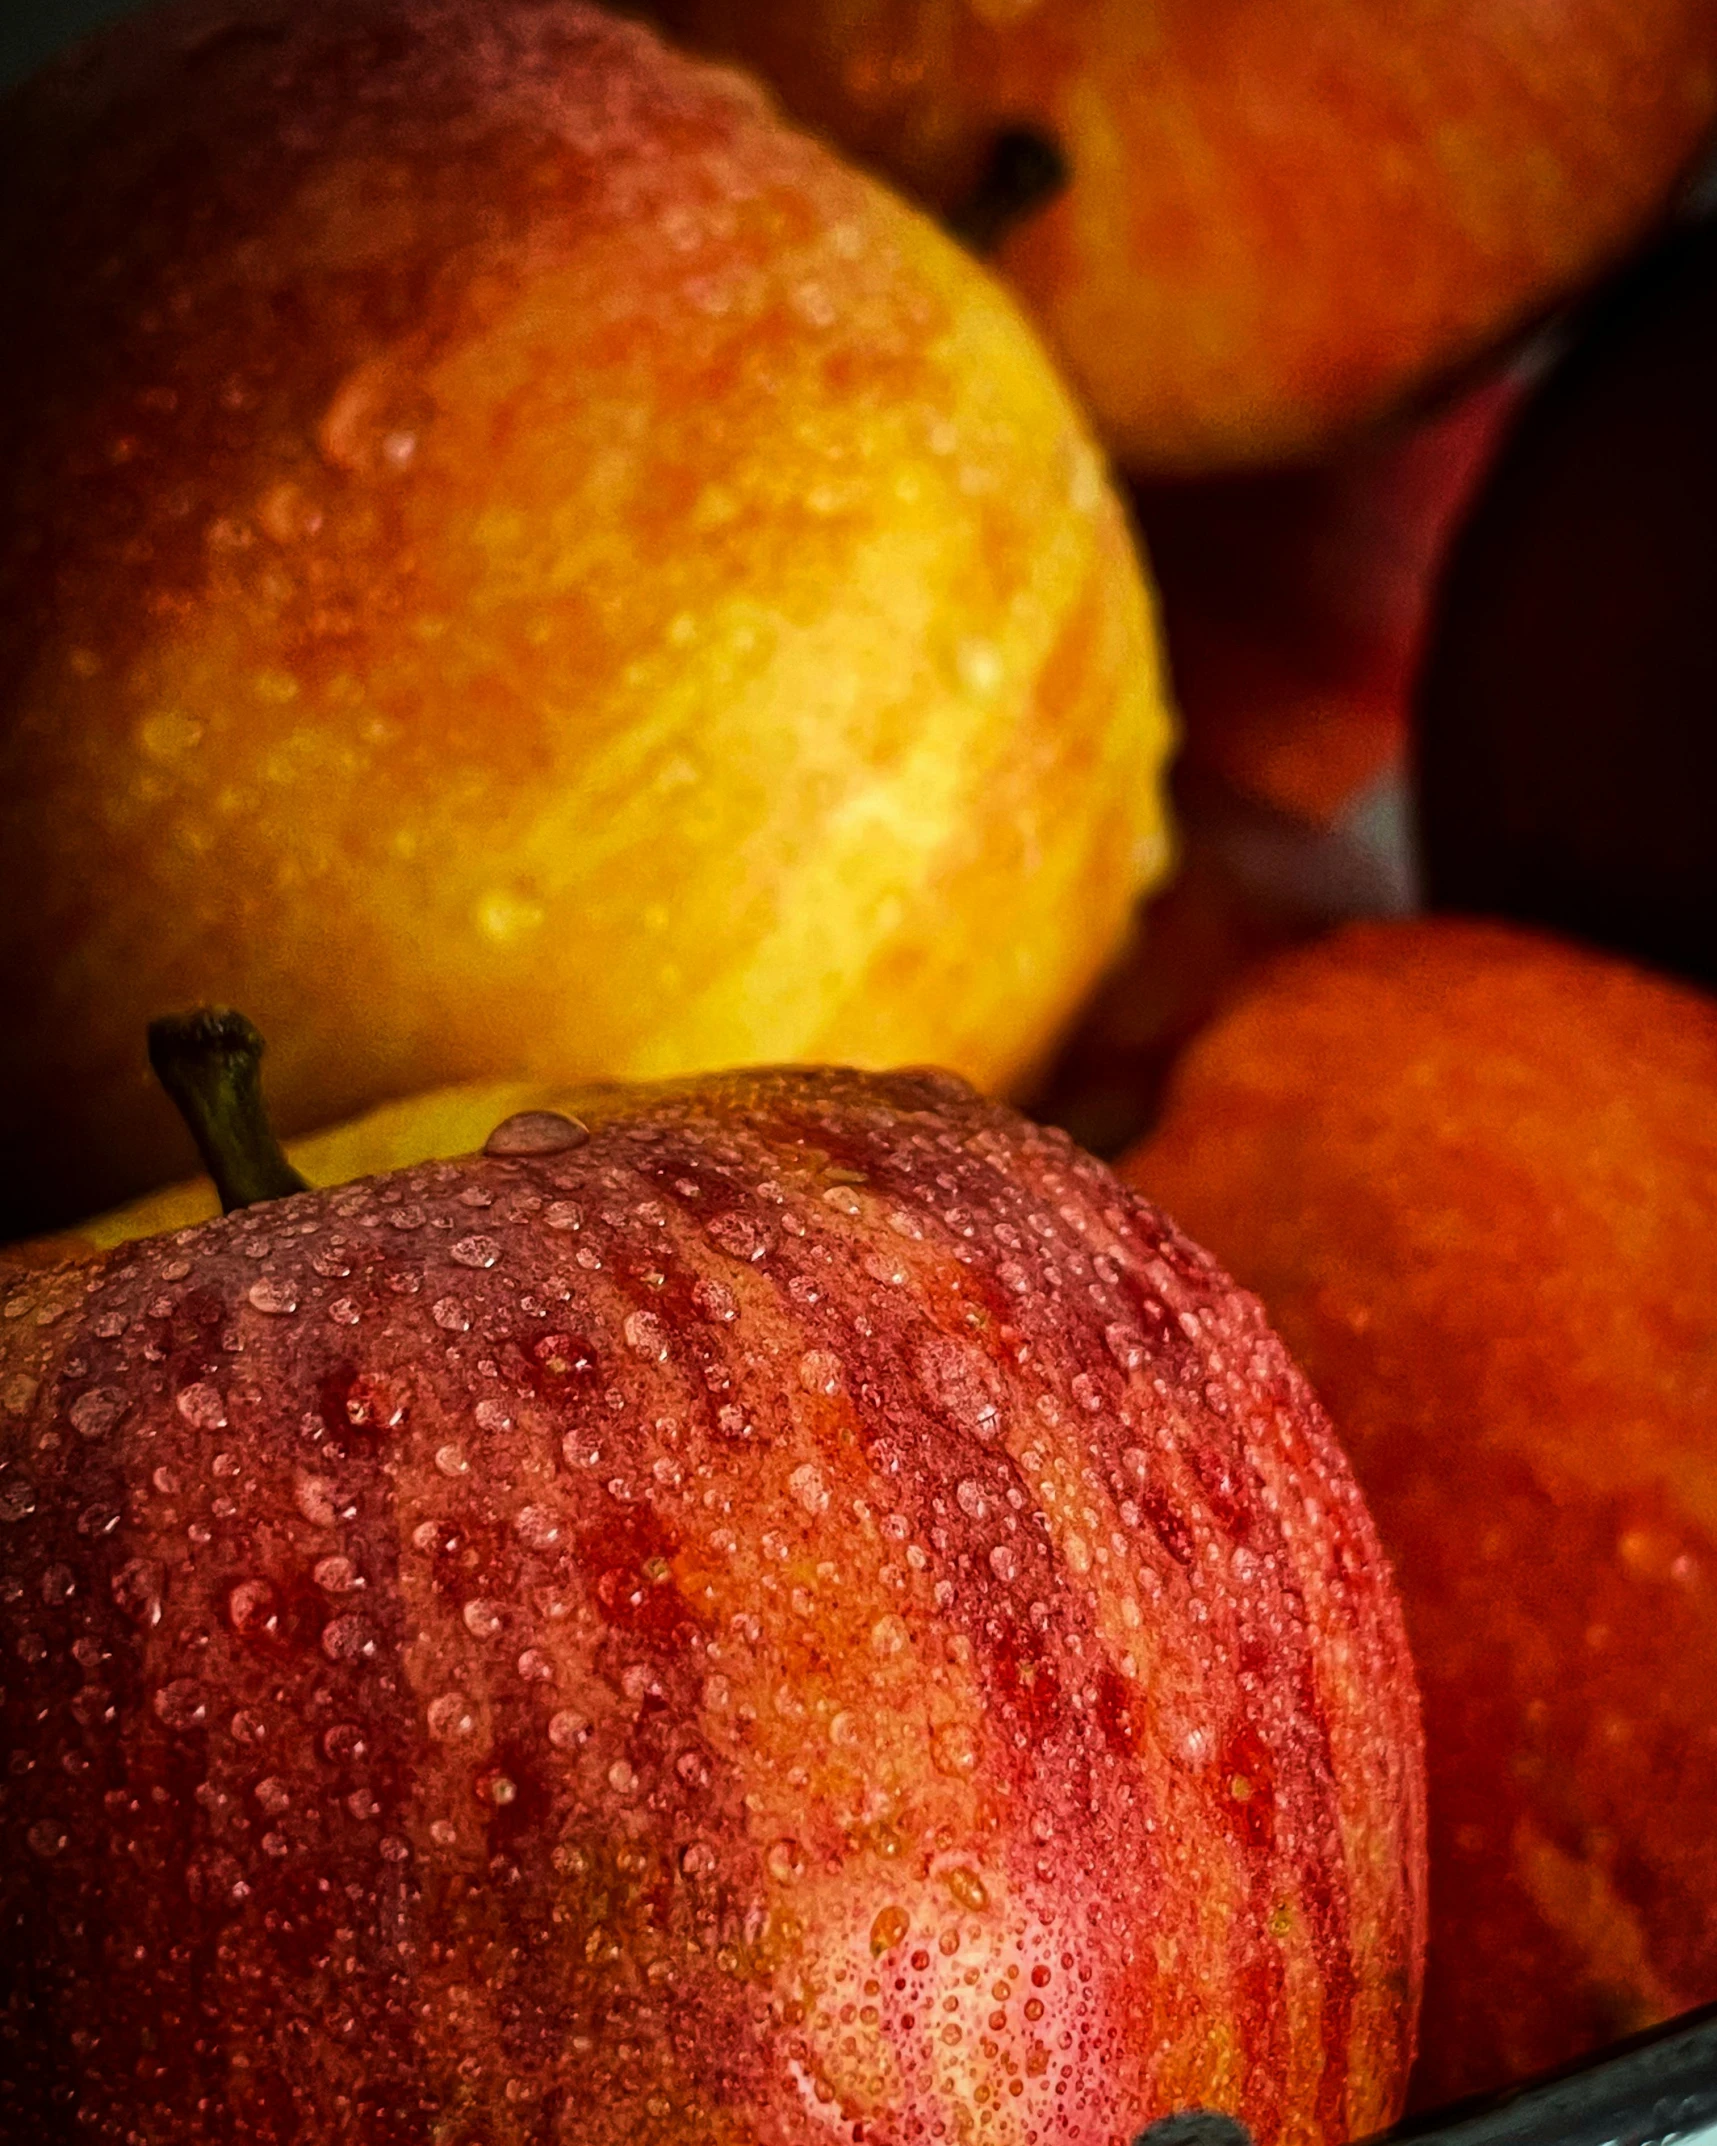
[516, 564]
[814, 1612]
[1283, 215]
[1473, 1174]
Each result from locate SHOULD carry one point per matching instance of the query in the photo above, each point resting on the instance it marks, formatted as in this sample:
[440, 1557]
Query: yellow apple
[518, 564]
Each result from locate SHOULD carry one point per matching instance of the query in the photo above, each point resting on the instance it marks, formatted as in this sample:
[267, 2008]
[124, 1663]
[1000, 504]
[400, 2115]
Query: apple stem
[210, 1063]
[1024, 171]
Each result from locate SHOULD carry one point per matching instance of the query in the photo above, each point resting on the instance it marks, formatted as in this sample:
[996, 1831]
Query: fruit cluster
[600, 1597]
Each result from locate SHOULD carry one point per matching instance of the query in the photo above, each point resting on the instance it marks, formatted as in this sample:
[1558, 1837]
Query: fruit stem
[210, 1063]
[1025, 170]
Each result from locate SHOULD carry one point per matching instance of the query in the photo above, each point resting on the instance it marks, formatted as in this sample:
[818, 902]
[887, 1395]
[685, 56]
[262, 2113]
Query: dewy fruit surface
[1281, 215]
[811, 1615]
[517, 563]
[1473, 1174]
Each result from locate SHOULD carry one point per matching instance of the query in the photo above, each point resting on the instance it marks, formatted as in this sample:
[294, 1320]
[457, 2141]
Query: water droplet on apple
[961, 1384]
[698, 1860]
[536, 1527]
[273, 1296]
[273, 1795]
[17, 1500]
[347, 1639]
[808, 1487]
[451, 1717]
[316, 1498]
[820, 1371]
[201, 1406]
[954, 1748]
[888, 1929]
[47, 1838]
[566, 1729]
[476, 1251]
[137, 1588]
[93, 1414]
[645, 1337]
[742, 1236]
[181, 1704]
[969, 1497]
[451, 1461]
[786, 1861]
[968, 1888]
[714, 1301]
[1003, 1563]
[450, 1315]
[535, 1666]
[889, 1635]
[536, 1132]
[483, 1618]
[336, 1575]
[344, 1743]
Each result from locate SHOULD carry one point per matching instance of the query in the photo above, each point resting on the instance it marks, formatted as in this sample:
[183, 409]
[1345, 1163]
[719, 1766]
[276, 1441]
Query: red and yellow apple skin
[1283, 214]
[814, 1613]
[516, 563]
[1473, 1174]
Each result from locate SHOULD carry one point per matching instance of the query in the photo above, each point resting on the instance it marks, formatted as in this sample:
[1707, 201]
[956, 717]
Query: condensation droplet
[954, 1748]
[93, 1414]
[483, 1619]
[1003, 1563]
[451, 1717]
[451, 1460]
[181, 1704]
[273, 1296]
[968, 1888]
[536, 1527]
[743, 1236]
[807, 1485]
[536, 1132]
[820, 1371]
[450, 1315]
[475, 1251]
[344, 1743]
[137, 1588]
[644, 1336]
[347, 1639]
[201, 1406]
[888, 1929]
[786, 1861]
[567, 1729]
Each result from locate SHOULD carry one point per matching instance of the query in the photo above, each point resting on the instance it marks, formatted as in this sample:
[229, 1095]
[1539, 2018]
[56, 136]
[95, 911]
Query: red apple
[1473, 1174]
[1280, 215]
[808, 1612]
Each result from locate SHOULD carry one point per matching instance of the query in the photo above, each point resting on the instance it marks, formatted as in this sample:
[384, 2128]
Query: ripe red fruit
[809, 1613]
[1473, 1174]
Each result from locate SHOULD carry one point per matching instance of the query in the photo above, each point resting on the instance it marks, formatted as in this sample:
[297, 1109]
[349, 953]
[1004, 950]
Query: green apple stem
[1025, 170]
[210, 1063]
